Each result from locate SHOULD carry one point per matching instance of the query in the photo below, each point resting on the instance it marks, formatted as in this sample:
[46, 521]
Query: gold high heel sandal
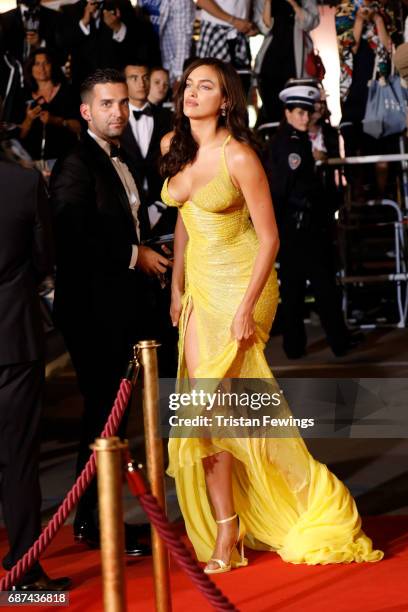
[226, 567]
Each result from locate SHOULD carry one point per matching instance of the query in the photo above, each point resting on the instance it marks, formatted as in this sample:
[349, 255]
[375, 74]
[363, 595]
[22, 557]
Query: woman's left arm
[248, 173]
[385, 38]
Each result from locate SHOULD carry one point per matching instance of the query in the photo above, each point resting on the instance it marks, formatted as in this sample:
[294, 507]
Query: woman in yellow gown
[224, 297]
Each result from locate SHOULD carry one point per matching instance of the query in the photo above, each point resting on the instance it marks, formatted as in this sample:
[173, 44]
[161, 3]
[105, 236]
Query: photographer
[98, 35]
[365, 32]
[29, 27]
[305, 221]
[50, 126]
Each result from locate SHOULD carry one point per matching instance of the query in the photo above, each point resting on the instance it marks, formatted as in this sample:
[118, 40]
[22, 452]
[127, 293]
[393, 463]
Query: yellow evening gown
[288, 502]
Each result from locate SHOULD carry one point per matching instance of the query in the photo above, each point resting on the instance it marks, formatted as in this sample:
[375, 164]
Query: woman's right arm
[177, 281]
[358, 29]
[180, 241]
[31, 115]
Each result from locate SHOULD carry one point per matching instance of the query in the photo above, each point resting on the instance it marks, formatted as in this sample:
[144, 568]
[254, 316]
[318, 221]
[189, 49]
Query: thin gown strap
[224, 161]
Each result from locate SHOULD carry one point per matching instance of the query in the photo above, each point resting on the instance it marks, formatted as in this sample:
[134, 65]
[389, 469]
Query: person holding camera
[285, 51]
[365, 33]
[30, 26]
[305, 217]
[97, 34]
[50, 125]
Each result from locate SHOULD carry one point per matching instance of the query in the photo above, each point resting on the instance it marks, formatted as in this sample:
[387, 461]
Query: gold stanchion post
[109, 462]
[155, 468]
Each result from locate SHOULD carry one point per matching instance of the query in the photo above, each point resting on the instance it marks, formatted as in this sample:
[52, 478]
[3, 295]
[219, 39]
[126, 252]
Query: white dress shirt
[236, 8]
[142, 128]
[129, 185]
[86, 29]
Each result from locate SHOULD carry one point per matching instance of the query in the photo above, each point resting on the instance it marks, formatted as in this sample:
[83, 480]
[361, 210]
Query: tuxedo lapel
[130, 143]
[156, 135]
[117, 191]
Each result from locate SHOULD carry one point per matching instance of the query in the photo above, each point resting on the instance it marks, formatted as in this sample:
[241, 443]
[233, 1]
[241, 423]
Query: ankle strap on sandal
[226, 520]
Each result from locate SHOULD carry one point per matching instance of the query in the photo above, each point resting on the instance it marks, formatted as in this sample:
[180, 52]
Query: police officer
[305, 220]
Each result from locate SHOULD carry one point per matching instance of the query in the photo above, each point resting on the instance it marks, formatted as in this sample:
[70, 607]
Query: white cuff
[119, 36]
[133, 259]
[160, 204]
[154, 214]
[85, 29]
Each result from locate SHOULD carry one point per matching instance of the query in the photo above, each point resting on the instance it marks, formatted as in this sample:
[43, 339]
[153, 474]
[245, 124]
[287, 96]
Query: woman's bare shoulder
[240, 153]
[166, 142]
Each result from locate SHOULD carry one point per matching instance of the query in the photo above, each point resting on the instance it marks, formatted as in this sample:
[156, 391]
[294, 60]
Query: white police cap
[300, 96]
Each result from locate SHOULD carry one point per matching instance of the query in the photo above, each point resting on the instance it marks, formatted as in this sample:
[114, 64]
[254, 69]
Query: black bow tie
[116, 151]
[146, 111]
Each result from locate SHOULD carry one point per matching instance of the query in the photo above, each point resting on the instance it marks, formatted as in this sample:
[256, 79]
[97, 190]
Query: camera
[106, 5]
[371, 7]
[31, 16]
[39, 102]
[110, 5]
[31, 19]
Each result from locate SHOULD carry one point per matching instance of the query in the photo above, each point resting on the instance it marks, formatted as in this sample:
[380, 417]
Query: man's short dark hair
[100, 77]
[137, 63]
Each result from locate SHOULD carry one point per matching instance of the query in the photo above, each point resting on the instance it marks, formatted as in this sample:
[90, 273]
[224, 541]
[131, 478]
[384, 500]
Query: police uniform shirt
[292, 173]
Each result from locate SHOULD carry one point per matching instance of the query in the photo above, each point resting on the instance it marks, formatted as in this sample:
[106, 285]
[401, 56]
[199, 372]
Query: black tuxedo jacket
[25, 258]
[98, 299]
[96, 50]
[51, 31]
[148, 167]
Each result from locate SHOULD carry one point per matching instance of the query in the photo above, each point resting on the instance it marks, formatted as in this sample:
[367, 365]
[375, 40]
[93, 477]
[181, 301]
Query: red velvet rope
[147, 501]
[180, 552]
[72, 497]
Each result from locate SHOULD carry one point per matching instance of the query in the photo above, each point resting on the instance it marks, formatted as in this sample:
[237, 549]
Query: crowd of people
[97, 91]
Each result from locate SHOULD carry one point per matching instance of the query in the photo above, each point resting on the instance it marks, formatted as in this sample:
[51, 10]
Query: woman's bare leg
[218, 467]
[218, 477]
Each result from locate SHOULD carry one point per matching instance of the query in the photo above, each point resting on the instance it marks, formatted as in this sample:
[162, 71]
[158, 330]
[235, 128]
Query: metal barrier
[398, 276]
[398, 225]
[387, 234]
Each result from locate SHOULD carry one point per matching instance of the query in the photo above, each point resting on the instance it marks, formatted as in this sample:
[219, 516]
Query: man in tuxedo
[102, 297]
[141, 140]
[25, 259]
[98, 34]
[30, 26]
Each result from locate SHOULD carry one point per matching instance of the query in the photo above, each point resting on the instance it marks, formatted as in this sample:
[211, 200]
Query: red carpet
[266, 584]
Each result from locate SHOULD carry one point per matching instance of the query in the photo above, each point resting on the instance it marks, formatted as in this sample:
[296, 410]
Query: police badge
[294, 161]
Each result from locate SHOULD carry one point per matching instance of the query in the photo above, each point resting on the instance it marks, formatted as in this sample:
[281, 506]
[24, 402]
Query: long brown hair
[183, 147]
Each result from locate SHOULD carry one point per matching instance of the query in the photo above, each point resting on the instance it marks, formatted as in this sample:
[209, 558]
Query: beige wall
[325, 41]
[6, 5]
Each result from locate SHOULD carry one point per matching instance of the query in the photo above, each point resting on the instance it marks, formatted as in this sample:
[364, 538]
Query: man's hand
[90, 9]
[319, 155]
[242, 25]
[112, 20]
[33, 39]
[152, 263]
[364, 13]
[33, 113]
[45, 117]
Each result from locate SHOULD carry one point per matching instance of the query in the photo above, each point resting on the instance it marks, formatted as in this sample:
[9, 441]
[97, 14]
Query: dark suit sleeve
[83, 237]
[42, 248]
[278, 178]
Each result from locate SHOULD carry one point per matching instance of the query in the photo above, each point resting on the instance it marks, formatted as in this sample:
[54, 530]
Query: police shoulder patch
[294, 161]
